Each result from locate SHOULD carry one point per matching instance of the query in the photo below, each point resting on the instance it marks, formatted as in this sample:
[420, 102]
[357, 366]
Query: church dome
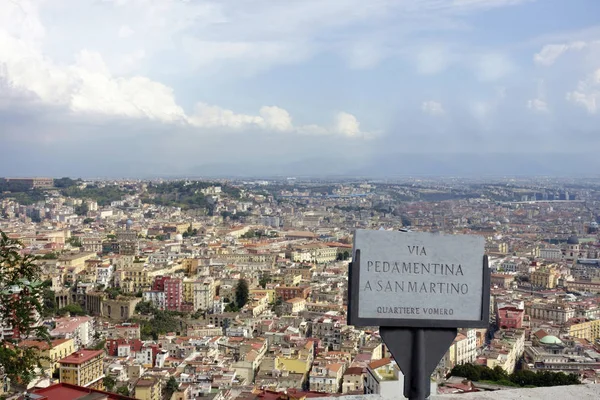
[550, 340]
[573, 240]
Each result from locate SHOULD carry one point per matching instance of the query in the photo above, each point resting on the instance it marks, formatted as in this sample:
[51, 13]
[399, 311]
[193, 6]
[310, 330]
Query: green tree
[241, 293]
[113, 292]
[74, 241]
[123, 391]
[171, 387]
[109, 383]
[49, 303]
[50, 256]
[21, 294]
[144, 307]
[65, 182]
[264, 279]
[73, 309]
[230, 307]
[101, 345]
[82, 209]
[88, 220]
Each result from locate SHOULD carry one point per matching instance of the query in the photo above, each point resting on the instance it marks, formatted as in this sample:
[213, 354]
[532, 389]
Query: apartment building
[80, 329]
[584, 328]
[83, 368]
[52, 352]
[148, 388]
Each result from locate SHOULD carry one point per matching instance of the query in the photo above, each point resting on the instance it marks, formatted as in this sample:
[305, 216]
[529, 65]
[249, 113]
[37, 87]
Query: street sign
[418, 279]
[418, 287]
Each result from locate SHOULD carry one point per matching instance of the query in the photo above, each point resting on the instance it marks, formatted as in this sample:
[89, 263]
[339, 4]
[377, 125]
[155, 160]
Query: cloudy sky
[193, 87]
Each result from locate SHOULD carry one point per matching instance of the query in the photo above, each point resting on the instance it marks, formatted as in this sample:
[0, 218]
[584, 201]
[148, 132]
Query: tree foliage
[82, 209]
[49, 303]
[21, 304]
[74, 241]
[171, 387]
[109, 383]
[72, 309]
[65, 182]
[102, 195]
[162, 322]
[241, 293]
[518, 378]
[123, 390]
[144, 307]
[113, 292]
[50, 256]
[264, 279]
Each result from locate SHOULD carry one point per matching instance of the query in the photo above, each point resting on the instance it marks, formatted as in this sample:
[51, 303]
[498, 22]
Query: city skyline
[148, 88]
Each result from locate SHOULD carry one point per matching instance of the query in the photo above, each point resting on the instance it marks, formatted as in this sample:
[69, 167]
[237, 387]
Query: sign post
[418, 287]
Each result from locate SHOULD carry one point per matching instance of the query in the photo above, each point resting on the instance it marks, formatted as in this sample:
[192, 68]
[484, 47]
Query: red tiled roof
[65, 391]
[380, 363]
[81, 356]
[41, 344]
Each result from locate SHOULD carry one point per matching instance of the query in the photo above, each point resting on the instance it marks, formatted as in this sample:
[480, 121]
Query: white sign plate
[418, 276]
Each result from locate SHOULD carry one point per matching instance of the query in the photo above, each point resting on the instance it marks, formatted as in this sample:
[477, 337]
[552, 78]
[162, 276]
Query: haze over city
[230, 88]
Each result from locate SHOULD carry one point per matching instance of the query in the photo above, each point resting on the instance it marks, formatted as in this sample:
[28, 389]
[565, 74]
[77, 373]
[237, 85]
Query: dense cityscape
[224, 289]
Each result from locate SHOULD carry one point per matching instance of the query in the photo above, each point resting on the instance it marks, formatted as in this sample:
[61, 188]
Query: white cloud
[365, 54]
[125, 31]
[538, 105]
[433, 59]
[551, 52]
[88, 86]
[347, 125]
[432, 107]
[587, 94]
[493, 66]
[276, 118]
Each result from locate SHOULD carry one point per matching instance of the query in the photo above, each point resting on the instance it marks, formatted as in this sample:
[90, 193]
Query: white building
[384, 377]
[80, 329]
[465, 347]
[204, 294]
[124, 350]
[161, 358]
[155, 297]
[551, 254]
[104, 274]
[144, 356]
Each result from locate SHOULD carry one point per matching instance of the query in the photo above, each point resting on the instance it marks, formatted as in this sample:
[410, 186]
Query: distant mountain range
[399, 164]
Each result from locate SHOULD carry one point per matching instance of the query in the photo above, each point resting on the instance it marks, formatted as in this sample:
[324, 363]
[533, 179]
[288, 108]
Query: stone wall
[579, 392]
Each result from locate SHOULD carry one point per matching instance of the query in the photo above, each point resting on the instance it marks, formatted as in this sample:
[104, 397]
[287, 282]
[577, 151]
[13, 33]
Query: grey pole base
[417, 352]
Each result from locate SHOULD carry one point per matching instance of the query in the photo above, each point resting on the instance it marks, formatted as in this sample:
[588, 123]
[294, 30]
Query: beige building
[190, 266]
[135, 278]
[83, 368]
[584, 328]
[201, 293]
[51, 354]
[75, 259]
[463, 350]
[148, 389]
[313, 252]
[507, 347]
[558, 312]
[545, 277]
[91, 244]
[295, 305]
[326, 378]
[120, 309]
